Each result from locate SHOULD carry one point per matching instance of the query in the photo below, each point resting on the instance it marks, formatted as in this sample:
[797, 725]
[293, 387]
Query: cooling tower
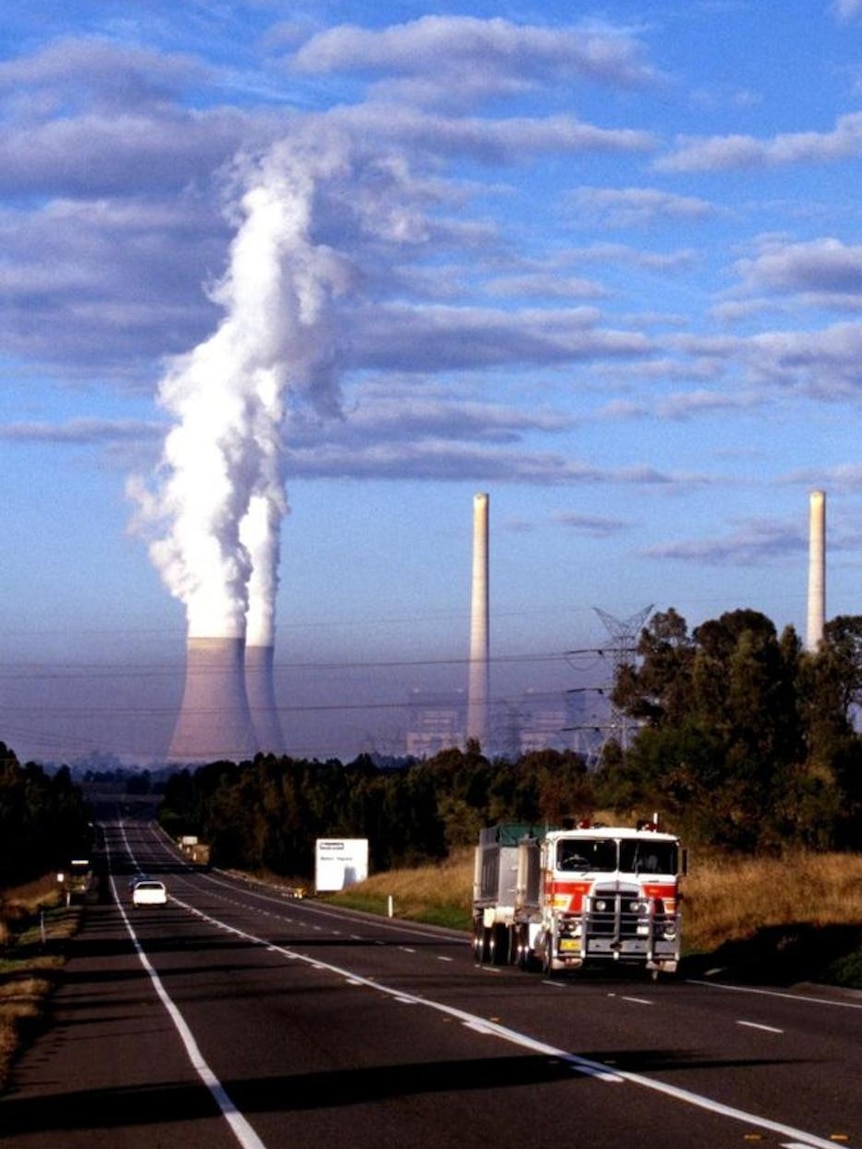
[816, 570]
[477, 687]
[260, 690]
[214, 722]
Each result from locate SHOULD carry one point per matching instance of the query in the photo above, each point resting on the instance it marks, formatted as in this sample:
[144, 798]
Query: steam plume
[218, 499]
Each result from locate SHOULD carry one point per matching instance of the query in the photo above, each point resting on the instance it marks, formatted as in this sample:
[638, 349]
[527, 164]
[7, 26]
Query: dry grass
[439, 893]
[32, 923]
[730, 899]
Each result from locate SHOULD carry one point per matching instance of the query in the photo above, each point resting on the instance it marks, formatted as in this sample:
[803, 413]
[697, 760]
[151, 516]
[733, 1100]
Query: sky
[600, 261]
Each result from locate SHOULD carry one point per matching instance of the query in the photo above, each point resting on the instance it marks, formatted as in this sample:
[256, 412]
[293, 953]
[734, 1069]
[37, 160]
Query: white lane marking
[636, 1000]
[797, 997]
[240, 1127]
[757, 1025]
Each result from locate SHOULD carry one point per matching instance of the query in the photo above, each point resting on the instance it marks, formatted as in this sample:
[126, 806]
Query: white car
[149, 893]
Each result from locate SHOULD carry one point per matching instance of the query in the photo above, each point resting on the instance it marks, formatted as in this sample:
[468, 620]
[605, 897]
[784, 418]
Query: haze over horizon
[605, 265]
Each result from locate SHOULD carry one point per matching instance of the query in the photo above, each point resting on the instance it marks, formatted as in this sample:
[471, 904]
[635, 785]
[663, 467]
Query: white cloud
[824, 269]
[721, 153]
[463, 59]
[438, 338]
[826, 364]
[847, 10]
[754, 543]
[594, 526]
[490, 140]
[639, 207]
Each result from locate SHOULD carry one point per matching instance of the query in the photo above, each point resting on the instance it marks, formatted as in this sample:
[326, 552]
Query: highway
[234, 1016]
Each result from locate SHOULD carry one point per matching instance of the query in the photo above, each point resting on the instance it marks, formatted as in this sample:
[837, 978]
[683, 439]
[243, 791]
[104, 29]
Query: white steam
[216, 503]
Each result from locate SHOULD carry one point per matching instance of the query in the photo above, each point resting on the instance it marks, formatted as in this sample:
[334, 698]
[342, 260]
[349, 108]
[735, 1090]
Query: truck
[76, 880]
[583, 895]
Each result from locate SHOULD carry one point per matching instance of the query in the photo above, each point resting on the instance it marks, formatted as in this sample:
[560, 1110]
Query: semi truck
[566, 898]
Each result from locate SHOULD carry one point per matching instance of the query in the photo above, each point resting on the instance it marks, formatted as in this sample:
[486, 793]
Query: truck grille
[617, 915]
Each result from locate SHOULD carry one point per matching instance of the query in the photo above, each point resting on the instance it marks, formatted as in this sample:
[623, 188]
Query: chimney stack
[816, 570]
[477, 692]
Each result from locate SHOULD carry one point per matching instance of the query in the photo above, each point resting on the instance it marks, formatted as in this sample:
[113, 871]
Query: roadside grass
[781, 918]
[33, 926]
[440, 894]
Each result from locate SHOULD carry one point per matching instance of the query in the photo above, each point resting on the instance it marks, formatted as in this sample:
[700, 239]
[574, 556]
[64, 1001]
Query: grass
[773, 918]
[33, 926]
[440, 894]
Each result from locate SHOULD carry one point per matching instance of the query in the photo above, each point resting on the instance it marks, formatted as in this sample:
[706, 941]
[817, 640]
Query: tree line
[743, 740]
[44, 821]
[266, 814]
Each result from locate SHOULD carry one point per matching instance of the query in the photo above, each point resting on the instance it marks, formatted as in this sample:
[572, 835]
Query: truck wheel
[524, 956]
[548, 958]
[480, 942]
[487, 944]
[499, 945]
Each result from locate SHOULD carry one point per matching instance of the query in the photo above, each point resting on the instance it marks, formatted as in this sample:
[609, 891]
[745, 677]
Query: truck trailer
[563, 899]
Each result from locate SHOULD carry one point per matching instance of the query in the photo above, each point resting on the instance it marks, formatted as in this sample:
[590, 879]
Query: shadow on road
[158, 1103]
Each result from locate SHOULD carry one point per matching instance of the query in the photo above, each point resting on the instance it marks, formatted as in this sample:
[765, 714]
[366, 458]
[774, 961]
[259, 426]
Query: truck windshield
[606, 855]
[645, 857]
[587, 854]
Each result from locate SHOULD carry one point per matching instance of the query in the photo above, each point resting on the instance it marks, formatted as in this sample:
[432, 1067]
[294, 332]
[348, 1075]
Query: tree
[723, 740]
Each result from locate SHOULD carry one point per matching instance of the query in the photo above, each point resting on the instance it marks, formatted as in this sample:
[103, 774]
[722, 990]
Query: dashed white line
[758, 1025]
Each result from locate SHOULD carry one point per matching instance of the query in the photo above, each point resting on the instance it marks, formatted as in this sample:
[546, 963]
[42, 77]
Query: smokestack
[816, 570]
[477, 691]
[214, 721]
[260, 688]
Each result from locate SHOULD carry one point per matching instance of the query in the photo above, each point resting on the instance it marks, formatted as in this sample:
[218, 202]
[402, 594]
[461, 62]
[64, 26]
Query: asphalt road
[234, 1016]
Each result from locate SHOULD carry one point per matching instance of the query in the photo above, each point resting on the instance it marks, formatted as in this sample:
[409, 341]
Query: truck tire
[548, 958]
[522, 948]
[480, 942]
[498, 950]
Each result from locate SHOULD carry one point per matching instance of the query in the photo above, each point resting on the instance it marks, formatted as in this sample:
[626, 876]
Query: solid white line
[241, 1129]
[755, 1025]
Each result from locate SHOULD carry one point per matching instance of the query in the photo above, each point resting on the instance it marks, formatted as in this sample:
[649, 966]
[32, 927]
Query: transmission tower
[624, 634]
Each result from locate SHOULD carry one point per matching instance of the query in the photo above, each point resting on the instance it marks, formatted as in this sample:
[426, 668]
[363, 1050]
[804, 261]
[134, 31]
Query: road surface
[234, 1016]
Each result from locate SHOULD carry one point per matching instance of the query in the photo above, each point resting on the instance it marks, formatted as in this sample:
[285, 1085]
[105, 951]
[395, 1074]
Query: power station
[229, 708]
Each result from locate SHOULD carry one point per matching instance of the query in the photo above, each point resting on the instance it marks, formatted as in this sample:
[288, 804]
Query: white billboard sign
[339, 862]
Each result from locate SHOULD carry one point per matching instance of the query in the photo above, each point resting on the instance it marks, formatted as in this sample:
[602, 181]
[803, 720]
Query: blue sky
[601, 261]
